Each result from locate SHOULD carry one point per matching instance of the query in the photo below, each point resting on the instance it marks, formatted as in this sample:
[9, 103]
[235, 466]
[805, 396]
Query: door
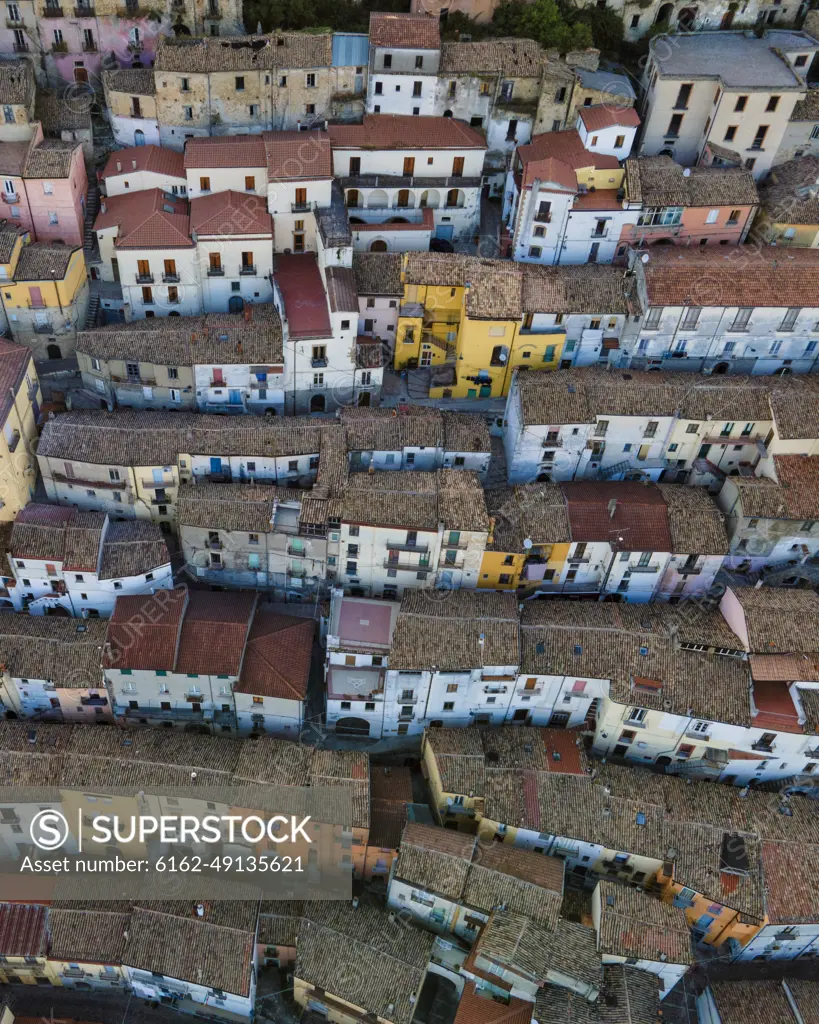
[485, 391]
[115, 268]
[236, 304]
[364, 399]
[80, 73]
[218, 377]
[215, 466]
[727, 21]
[445, 232]
[139, 137]
[521, 716]
[594, 251]
[409, 166]
[426, 358]
[235, 397]
[642, 454]
[36, 296]
[704, 450]
[457, 167]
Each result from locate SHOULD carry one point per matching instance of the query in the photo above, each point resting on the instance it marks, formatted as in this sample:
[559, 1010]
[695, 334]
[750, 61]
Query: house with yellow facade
[533, 788]
[789, 210]
[45, 295]
[19, 412]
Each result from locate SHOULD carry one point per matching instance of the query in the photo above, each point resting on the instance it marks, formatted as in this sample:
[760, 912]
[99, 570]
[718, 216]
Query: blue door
[445, 231]
[216, 465]
[235, 397]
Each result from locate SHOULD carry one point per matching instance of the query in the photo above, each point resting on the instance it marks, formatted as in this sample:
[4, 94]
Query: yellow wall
[54, 293]
[18, 468]
[17, 248]
[805, 236]
[608, 177]
[492, 565]
[443, 310]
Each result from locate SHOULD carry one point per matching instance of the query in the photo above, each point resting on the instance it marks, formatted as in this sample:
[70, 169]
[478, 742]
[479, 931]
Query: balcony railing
[21, 47]
[700, 737]
[14, 22]
[318, 364]
[600, 234]
[766, 748]
[84, 11]
[247, 271]
[543, 218]
[59, 47]
[690, 570]
[407, 566]
[170, 278]
[214, 545]
[136, 47]
[11, 197]
[150, 483]
[643, 568]
[43, 328]
[144, 278]
[394, 545]
[52, 12]
[301, 207]
[216, 272]
[89, 47]
[157, 500]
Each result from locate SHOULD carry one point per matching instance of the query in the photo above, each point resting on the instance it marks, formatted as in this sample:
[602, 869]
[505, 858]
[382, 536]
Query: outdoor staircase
[92, 202]
[610, 471]
[93, 314]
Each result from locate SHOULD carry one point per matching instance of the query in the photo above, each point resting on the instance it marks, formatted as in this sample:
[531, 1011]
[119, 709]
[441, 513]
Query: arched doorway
[354, 197]
[783, 371]
[364, 399]
[236, 304]
[404, 199]
[686, 19]
[53, 352]
[353, 727]
[139, 137]
[377, 199]
[664, 14]
[430, 198]
[447, 113]
[720, 368]
[174, 312]
[318, 403]
[454, 198]
[181, 30]
[379, 245]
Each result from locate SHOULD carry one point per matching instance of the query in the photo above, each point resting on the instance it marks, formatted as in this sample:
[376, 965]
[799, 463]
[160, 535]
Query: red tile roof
[786, 668]
[298, 156]
[277, 659]
[214, 632]
[22, 929]
[405, 31]
[147, 220]
[403, 131]
[231, 213]
[603, 116]
[777, 710]
[791, 892]
[144, 631]
[556, 156]
[391, 784]
[387, 822]
[563, 743]
[764, 276]
[145, 158]
[480, 1008]
[225, 151]
[637, 522]
[305, 300]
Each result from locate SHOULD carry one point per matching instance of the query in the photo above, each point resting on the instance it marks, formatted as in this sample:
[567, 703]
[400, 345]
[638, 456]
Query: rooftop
[44, 261]
[789, 194]
[658, 181]
[516, 943]
[512, 58]
[403, 131]
[404, 31]
[737, 59]
[277, 658]
[16, 82]
[640, 926]
[554, 158]
[136, 81]
[378, 273]
[14, 362]
[150, 219]
[66, 652]
[793, 495]
[229, 213]
[224, 151]
[602, 115]
[779, 620]
[206, 54]
[303, 295]
[155, 159]
[296, 156]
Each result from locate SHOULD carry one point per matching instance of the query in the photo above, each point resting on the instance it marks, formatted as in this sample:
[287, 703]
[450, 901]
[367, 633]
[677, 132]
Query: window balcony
[14, 23]
[407, 566]
[301, 207]
[247, 271]
[136, 47]
[170, 278]
[763, 746]
[318, 364]
[600, 234]
[11, 197]
[213, 14]
[21, 47]
[15, 440]
[543, 218]
[214, 545]
[166, 500]
[52, 12]
[643, 568]
[144, 278]
[173, 302]
[394, 545]
[59, 47]
[89, 47]
[43, 328]
[579, 559]
[84, 11]
[216, 272]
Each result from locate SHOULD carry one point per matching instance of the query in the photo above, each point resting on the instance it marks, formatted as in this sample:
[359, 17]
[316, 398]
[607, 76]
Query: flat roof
[305, 300]
[738, 59]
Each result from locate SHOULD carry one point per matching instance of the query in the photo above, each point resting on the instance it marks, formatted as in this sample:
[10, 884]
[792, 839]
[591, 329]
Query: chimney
[612, 507]
[134, 165]
[119, 165]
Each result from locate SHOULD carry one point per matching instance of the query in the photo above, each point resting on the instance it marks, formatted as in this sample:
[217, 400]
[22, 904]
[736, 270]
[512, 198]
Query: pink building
[44, 184]
[687, 205]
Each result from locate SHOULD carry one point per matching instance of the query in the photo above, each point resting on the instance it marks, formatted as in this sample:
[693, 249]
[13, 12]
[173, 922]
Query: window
[741, 103]
[534, 252]
[652, 321]
[759, 138]
[637, 715]
[741, 320]
[730, 133]
[310, 80]
[240, 83]
[674, 125]
[789, 321]
[734, 216]
[188, 113]
[750, 163]
[691, 317]
[204, 184]
[773, 103]
[682, 97]
[619, 142]
[713, 217]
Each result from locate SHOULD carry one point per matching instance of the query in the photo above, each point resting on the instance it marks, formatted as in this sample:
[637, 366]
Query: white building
[704, 310]
[137, 168]
[379, 287]
[399, 164]
[734, 90]
[173, 675]
[64, 560]
[563, 201]
[404, 60]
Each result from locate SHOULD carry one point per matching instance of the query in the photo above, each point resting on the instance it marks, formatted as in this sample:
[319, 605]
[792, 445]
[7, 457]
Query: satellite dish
[645, 257]
[527, 543]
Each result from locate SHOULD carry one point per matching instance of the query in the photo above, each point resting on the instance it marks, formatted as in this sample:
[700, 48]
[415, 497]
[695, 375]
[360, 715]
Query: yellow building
[530, 538]
[463, 317]
[45, 296]
[789, 205]
[20, 411]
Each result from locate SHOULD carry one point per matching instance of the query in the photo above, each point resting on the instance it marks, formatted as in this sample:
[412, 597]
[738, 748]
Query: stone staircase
[92, 203]
[93, 314]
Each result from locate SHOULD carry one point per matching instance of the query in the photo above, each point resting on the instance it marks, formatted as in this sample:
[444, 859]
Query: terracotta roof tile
[600, 116]
[277, 660]
[658, 181]
[135, 81]
[22, 929]
[145, 158]
[378, 273]
[780, 621]
[224, 151]
[44, 261]
[206, 54]
[16, 81]
[144, 633]
[639, 521]
[230, 213]
[407, 31]
[556, 156]
[210, 615]
[482, 1007]
[403, 131]
[147, 220]
[304, 296]
[341, 290]
[513, 58]
[635, 924]
[294, 156]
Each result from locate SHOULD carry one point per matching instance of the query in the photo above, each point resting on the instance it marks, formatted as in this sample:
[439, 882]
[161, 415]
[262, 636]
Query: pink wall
[66, 201]
[693, 228]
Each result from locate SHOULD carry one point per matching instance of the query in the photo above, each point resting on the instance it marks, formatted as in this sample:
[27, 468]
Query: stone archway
[353, 727]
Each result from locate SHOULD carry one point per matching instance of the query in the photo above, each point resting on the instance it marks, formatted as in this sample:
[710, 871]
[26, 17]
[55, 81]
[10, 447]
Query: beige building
[130, 95]
[732, 90]
[17, 100]
[20, 410]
